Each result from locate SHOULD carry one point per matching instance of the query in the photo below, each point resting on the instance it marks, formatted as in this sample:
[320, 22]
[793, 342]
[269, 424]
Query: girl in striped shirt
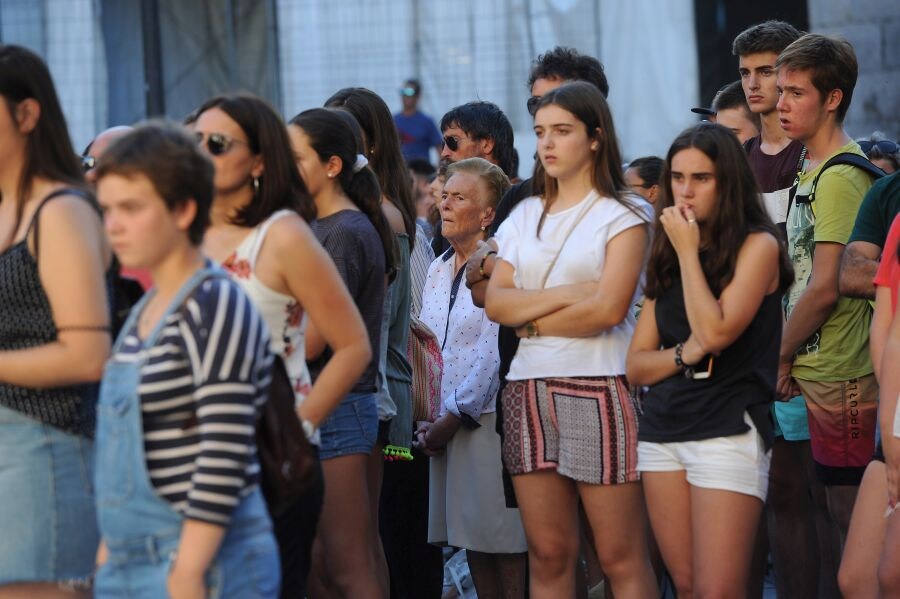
[179, 504]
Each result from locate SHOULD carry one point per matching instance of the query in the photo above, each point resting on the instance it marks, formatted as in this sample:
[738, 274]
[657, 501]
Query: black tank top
[743, 379]
[27, 321]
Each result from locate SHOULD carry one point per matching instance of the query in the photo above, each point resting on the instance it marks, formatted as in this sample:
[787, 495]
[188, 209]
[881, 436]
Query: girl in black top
[54, 339]
[707, 346]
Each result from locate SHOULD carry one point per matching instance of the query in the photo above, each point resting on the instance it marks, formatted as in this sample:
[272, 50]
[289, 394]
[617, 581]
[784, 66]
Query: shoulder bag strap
[584, 210]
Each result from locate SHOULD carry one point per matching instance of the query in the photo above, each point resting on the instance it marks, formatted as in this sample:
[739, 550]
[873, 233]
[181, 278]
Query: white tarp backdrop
[467, 49]
[460, 49]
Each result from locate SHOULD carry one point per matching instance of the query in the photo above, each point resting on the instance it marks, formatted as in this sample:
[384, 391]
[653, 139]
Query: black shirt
[743, 379]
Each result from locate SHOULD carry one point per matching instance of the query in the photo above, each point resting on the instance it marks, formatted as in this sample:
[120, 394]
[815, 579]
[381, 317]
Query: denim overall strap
[129, 510]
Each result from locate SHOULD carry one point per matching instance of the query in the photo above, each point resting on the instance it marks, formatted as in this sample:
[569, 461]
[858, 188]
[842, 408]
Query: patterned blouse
[468, 342]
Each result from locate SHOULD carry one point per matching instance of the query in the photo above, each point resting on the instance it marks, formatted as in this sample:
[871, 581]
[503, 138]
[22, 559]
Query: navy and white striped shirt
[201, 388]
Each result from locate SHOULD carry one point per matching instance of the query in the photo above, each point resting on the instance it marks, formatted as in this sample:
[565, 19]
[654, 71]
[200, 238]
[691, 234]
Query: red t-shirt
[888, 274]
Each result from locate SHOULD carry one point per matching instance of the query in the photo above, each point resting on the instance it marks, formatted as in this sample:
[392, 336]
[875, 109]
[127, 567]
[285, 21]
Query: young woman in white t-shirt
[570, 262]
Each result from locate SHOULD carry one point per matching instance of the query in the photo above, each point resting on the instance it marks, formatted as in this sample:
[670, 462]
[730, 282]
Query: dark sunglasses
[452, 142]
[532, 104]
[87, 163]
[885, 146]
[218, 143]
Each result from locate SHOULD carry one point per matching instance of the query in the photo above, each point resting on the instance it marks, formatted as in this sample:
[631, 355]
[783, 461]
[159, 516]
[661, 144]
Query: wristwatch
[483, 274]
[531, 329]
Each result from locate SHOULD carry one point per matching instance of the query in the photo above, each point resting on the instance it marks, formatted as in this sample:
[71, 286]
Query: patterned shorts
[584, 428]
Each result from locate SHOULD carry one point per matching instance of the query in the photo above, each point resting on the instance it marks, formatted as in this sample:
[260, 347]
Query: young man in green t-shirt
[824, 350]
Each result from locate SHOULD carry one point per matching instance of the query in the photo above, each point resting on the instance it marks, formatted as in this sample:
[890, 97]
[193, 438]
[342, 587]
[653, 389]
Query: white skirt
[466, 507]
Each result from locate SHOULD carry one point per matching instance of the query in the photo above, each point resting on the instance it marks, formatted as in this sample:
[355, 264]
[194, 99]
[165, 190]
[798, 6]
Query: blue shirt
[418, 134]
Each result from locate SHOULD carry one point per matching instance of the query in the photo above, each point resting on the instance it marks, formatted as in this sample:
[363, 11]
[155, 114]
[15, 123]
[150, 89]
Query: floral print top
[282, 313]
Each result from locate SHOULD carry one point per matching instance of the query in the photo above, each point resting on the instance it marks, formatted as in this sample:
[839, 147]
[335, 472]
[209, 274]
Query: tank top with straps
[282, 313]
[26, 321]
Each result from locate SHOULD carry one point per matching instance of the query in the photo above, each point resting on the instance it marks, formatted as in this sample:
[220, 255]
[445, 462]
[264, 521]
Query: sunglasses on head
[217, 143]
[87, 163]
[532, 104]
[452, 142]
[885, 146]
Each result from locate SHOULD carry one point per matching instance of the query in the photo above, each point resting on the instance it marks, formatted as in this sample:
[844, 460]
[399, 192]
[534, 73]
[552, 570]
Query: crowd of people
[642, 377]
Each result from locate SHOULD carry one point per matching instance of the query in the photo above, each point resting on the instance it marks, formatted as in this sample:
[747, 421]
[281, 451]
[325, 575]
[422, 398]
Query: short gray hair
[493, 175]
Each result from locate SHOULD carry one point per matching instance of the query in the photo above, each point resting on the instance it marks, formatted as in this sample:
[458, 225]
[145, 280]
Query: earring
[483, 228]
[331, 175]
[594, 146]
[255, 186]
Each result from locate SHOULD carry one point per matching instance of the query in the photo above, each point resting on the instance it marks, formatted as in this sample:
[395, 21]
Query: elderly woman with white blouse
[466, 503]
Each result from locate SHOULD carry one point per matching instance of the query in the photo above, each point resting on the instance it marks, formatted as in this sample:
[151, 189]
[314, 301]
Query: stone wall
[873, 27]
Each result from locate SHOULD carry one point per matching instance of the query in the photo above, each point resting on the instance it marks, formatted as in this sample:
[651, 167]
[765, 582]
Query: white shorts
[738, 463]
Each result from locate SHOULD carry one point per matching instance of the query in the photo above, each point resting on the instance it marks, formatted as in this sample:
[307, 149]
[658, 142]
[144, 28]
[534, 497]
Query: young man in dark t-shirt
[775, 160]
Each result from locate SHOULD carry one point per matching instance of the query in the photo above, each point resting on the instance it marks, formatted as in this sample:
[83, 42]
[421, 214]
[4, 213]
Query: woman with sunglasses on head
[54, 338]
[382, 149]
[351, 226]
[258, 232]
[179, 504]
[883, 152]
[566, 278]
[715, 280]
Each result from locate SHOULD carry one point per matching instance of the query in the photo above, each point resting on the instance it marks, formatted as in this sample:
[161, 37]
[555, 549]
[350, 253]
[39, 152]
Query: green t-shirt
[878, 210]
[839, 350]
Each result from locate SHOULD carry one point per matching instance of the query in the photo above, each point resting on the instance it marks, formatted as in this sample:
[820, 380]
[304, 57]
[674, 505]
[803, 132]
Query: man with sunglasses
[418, 133]
[478, 130]
[97, 147]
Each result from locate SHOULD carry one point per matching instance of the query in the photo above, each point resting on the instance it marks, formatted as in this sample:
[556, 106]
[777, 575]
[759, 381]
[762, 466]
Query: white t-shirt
[581, 259]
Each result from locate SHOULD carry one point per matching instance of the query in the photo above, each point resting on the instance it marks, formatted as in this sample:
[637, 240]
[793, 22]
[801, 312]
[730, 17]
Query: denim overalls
[141, 530]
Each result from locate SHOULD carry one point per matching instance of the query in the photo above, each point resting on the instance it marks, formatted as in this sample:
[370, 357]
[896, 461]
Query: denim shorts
[351, 428]
[47, 515]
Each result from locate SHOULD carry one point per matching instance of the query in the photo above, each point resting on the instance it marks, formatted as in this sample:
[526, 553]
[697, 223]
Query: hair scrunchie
[360, 164]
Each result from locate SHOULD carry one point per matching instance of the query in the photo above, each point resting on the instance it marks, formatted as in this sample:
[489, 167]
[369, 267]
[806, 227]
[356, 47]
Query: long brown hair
[333, 132]
[589, 106]
[738, 212]
[374, 117]
[48, 148]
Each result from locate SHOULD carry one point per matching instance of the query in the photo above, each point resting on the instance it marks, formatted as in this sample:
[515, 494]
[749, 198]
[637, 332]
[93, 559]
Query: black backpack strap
[848, 158]
[33, 226]
[793, 191]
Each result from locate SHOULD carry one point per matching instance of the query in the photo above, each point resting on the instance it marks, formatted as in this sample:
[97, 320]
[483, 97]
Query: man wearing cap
[418, 133]
[730, 109]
